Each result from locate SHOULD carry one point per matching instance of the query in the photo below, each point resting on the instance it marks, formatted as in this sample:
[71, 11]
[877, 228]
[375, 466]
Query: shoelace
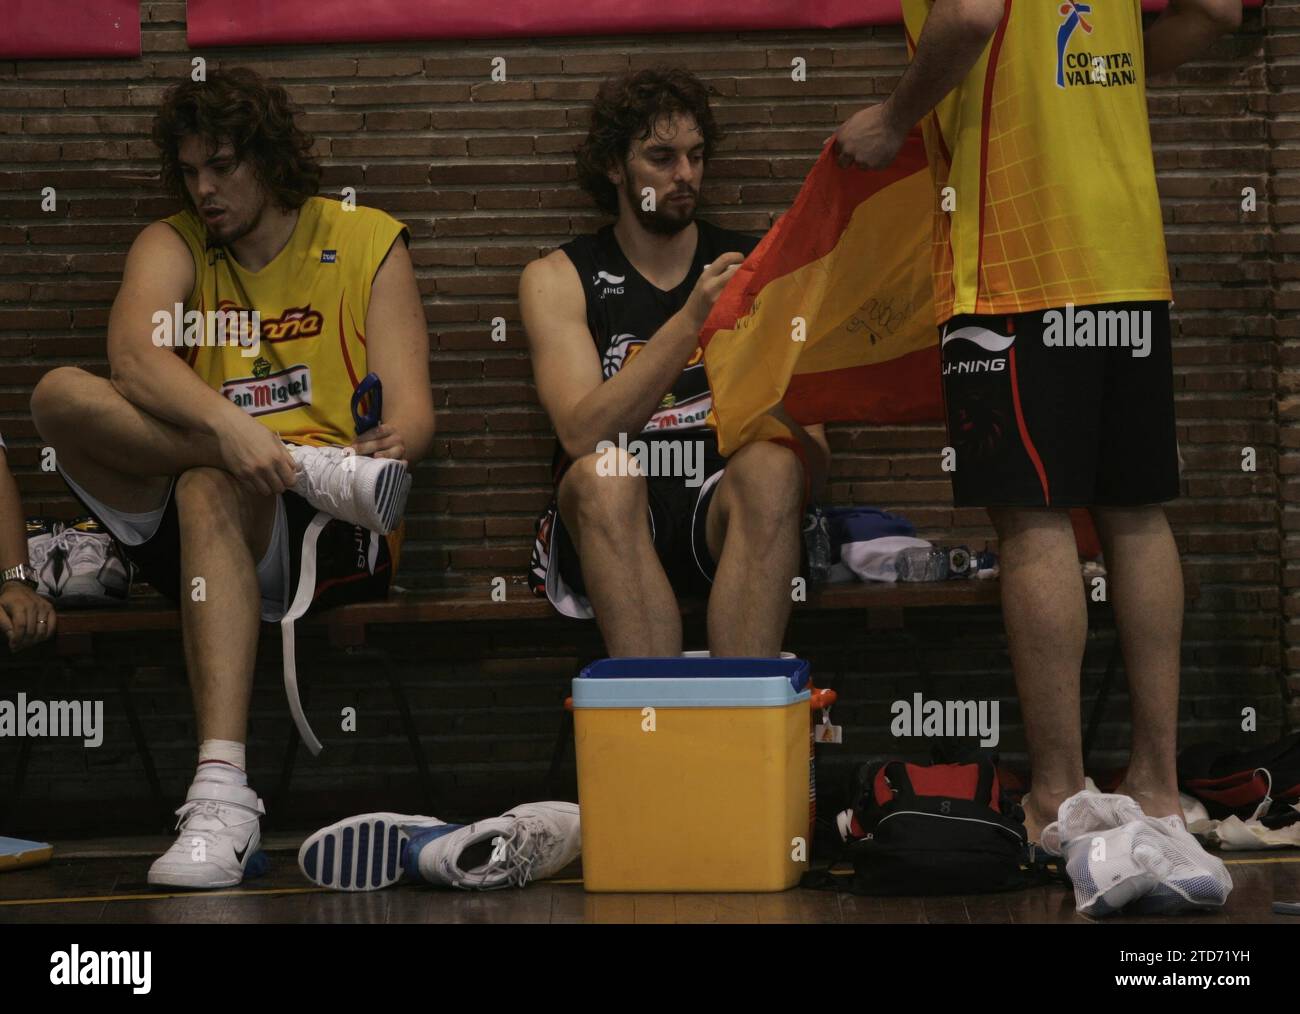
[41, 551]
[325, 482]
[202, 808]
[61, 541]
[526, 841]
[198, 808]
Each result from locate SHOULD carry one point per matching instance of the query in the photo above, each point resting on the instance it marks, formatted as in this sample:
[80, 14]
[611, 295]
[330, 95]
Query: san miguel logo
[1104, 69]
[295, 322]
[274, 392]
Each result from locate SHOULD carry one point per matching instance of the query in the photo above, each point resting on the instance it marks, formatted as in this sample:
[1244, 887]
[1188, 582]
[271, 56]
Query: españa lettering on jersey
[312, 299]
[1047, 150]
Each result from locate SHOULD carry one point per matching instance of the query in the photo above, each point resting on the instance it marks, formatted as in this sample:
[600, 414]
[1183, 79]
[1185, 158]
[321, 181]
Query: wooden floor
[104, 882]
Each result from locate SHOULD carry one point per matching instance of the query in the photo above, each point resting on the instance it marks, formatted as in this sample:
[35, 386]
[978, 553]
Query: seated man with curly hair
[223, 452]
[645, 506]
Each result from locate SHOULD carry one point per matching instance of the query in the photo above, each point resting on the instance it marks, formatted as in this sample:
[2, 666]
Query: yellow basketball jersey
[312, 300]
[1046, 147]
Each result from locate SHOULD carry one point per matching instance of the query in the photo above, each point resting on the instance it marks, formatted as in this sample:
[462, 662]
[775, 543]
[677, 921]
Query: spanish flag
[832, 314]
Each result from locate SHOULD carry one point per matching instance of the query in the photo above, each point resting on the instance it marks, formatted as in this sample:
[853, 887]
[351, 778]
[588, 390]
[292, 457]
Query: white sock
[221, 760]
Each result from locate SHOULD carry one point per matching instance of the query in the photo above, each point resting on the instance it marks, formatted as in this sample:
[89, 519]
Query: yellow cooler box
[693, 773]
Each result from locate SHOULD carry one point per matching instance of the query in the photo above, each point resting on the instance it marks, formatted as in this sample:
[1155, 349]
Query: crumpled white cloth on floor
[1117, 857]
[1233, 834]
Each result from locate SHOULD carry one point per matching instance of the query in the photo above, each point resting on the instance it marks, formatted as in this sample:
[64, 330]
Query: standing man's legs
[1146, 588]
[1046, 619]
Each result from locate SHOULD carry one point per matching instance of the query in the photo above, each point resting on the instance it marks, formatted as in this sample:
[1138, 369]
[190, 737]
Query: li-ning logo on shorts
[613, 283]
[276, 392]
[329, 256]
[989, 341]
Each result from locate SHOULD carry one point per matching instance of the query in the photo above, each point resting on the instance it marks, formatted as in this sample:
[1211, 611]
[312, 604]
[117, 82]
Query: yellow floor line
[177, 894]
[272, 891]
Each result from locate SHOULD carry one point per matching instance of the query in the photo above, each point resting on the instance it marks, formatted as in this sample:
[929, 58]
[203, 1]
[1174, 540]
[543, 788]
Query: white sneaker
[530, 842]
[219, 836]
[96, 574]
[1087, 812]
[363, 853]
[365, 491]
[1190, 879]
[47, 554]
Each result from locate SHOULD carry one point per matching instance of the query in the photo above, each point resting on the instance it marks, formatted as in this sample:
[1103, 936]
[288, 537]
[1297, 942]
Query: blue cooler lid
[692, 683]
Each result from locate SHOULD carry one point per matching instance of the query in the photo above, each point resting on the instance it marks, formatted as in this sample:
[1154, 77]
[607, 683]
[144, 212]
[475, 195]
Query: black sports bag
[929, 829]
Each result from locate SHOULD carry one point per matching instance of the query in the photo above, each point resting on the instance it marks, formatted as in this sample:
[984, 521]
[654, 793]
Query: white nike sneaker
[531, 842]
[96, 573]
[364, 853]
[219, 836]
[365, 491]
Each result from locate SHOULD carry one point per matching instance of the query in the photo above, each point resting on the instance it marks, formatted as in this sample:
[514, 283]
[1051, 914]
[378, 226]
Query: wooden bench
[96, 634]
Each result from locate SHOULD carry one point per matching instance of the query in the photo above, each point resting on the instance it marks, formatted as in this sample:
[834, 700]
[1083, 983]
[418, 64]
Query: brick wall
[482, 172]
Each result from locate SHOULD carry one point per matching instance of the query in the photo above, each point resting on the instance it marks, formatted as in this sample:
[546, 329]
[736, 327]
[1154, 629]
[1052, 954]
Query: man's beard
[236, 231]
[658, 221]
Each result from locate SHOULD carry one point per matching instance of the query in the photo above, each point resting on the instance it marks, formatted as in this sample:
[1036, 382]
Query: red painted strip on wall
[286, 22]
[241, 22]
[42, 30]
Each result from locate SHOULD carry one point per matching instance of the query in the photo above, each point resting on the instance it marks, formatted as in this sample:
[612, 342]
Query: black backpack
[1233, 782]
[919, 829]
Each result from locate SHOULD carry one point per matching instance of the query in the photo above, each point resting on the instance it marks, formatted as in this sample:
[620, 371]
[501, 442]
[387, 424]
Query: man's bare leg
[126, 457]
[1146, 587]
[117, 452]
[607, 518]
[753, 531]
[1046, 620]
[225, 530]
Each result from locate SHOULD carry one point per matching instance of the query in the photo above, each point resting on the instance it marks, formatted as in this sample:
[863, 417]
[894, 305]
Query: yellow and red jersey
[312, 299]
[1046, 147]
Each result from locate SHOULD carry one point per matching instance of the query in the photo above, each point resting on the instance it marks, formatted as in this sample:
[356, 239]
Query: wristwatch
[22, 574]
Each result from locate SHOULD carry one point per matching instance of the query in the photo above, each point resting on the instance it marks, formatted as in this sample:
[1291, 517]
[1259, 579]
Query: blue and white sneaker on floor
[363, 853]
[377, 850]
[530, 842]
[220, 835]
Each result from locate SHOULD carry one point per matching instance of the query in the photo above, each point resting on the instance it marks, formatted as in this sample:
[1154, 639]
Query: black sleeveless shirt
[624, 311]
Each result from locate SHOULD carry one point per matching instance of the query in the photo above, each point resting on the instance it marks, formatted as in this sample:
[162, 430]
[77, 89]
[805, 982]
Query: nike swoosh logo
[240, 853]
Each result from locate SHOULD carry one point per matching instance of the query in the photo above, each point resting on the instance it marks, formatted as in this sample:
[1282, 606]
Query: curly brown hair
[238, 106]
[626, 108]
